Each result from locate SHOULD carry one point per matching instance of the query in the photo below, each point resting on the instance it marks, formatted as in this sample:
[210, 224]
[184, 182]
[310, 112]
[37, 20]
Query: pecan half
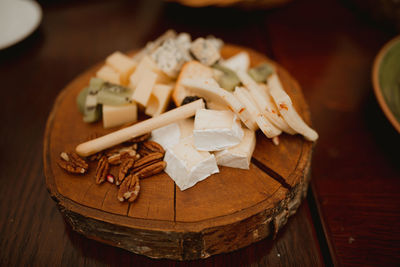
[72, 163]
[149, 147]
[140, 138]
[146, 161]
[129, 189]
[126, 165]
[102, 170]
[121, 154]
[151, 170]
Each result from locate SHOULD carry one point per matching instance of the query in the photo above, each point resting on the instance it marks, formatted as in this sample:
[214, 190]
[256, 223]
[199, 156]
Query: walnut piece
[129, 189]
[72, 163]
[102, 170]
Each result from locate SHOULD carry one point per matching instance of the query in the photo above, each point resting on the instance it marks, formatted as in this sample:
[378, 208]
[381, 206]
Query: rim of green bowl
[376, 84]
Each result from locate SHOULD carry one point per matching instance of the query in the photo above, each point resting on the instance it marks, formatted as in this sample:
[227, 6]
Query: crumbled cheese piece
[216, 130]
[169, 57]
[188, 166]
[238, 156]
[205, 51]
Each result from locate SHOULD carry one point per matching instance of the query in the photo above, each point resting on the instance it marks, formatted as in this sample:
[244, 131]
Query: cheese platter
[226, 131]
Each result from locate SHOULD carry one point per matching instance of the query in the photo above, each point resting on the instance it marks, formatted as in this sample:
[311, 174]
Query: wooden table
[352, 213]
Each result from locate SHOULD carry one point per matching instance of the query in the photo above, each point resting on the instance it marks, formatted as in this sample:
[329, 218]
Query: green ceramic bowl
[386, 80]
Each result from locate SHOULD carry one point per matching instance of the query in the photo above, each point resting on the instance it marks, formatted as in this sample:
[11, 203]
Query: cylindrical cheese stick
[117, 137]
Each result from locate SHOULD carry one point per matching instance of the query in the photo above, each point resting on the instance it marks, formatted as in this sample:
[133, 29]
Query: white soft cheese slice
[171, 134]
[216, 130]
[188, 166]
[238, 156]
[119, 115]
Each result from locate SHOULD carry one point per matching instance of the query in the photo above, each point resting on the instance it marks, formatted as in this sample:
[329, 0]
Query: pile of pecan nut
[136, 159]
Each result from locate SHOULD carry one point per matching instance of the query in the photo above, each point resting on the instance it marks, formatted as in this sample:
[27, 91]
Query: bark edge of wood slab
[223, 213]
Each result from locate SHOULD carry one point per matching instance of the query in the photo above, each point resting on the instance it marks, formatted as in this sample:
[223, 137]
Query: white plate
[18, 19]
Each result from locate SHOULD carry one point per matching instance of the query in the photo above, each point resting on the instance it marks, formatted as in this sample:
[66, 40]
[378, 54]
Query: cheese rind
[186, 165]
[119, 115]
[238, 156]
[216, 130]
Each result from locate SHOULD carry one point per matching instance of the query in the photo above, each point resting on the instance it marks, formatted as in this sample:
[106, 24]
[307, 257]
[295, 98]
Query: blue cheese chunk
[205, 51]
[169, 57]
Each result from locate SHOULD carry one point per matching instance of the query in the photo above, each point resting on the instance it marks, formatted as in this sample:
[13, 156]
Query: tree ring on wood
[225, 212]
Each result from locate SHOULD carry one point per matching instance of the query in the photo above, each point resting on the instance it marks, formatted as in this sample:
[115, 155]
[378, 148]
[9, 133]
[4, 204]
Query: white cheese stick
[263, 102]
[117, 137]
[287, 110]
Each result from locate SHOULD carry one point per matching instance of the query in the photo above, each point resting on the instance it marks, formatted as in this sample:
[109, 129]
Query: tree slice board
[225, 212]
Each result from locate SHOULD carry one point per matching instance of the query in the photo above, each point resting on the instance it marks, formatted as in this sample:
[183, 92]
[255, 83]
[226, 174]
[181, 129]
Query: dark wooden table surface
[352, 213]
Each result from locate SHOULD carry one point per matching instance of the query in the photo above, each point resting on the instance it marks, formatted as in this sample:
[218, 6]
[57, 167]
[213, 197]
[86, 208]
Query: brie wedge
[238, 156]
[188, 166]
[216, 130]
[171, 134]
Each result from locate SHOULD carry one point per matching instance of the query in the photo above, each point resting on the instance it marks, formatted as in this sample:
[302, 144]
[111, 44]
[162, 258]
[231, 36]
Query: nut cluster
[136, 159]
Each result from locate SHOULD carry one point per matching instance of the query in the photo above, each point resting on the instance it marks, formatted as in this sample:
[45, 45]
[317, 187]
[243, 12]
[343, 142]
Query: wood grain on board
[195, 223]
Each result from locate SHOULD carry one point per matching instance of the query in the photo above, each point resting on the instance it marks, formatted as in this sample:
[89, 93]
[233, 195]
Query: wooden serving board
[225, 212]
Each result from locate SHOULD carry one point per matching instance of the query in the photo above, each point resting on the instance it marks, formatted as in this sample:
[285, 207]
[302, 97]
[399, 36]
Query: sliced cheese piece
[159, 99]
[263, 103]
[216, 130]
[109, 74]
[205, 51]
[240, 61]
[144, 88]
[122, 64]
[188, 166]
[171, 134]
[147, 64]
[119, 115]
[213, 94]
[238, 156]
[244, 97]
[285, 106]
[192, 69]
